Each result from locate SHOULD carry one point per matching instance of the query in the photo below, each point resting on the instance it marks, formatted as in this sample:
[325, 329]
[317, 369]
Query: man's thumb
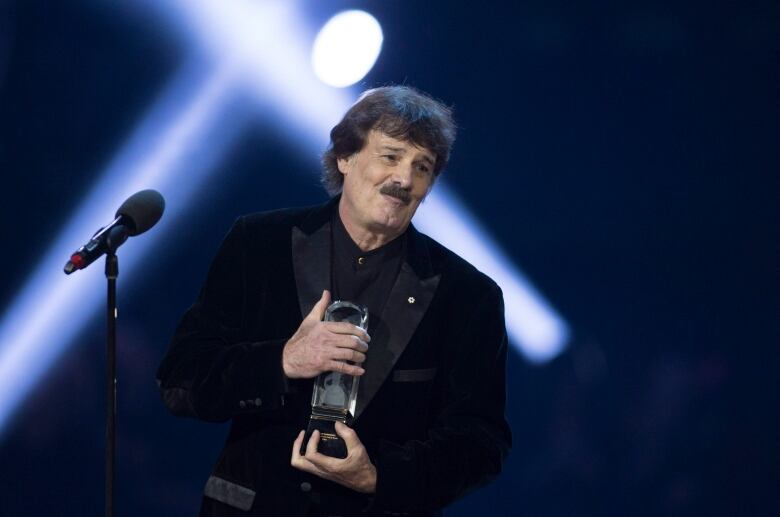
[318, 311]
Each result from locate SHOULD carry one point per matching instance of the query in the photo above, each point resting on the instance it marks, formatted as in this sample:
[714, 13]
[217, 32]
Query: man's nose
[403, 175]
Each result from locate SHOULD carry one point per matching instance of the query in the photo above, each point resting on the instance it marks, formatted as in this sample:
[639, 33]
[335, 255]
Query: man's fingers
[318, 311]
[323, 465]
[342, 327]
[342, 367]
[351, 342]
[348, 354]
[349, 436]
[358, 357]
[302, 462]
[311, 447]
[358, 344]
[296, 451]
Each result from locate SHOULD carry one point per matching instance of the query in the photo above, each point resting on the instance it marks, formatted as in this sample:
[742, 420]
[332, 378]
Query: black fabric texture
[432, 440]
[360, 277]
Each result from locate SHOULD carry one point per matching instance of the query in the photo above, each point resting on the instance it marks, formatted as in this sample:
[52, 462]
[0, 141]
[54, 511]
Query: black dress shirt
[363, 277]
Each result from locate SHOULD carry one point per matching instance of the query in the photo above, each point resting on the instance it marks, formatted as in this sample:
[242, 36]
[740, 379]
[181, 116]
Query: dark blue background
[624, 154]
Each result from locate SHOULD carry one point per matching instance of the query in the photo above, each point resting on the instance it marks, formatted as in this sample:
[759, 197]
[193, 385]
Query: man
[429, 423]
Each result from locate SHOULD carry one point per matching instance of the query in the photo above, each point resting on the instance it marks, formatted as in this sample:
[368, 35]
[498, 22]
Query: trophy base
[330, 443]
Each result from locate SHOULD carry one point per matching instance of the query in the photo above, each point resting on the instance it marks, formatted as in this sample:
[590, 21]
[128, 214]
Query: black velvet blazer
[430, 407]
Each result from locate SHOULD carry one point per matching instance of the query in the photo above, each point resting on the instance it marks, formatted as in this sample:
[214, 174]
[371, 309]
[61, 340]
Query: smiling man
[429, 423]
[384, 183]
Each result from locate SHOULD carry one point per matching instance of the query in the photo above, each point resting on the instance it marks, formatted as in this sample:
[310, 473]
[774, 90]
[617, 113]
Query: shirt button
[361, 260]
[305, 487]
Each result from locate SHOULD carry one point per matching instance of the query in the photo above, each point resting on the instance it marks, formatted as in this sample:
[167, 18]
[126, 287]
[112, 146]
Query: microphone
[137, 214]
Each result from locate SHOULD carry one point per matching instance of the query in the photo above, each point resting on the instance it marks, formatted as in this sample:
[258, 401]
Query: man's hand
[355, 471]
[324, 346]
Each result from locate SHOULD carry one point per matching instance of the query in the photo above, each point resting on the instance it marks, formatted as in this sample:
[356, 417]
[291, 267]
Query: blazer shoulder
[283, 217]
[280, 222]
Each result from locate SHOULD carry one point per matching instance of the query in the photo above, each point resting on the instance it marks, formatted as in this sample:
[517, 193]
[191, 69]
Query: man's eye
[390, 157]
[423, 168]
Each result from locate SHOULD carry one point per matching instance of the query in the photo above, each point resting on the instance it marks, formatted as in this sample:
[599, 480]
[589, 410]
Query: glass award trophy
[334, 395]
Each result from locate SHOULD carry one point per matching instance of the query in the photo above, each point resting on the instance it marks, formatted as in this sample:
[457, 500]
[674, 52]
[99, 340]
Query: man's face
[385, 182]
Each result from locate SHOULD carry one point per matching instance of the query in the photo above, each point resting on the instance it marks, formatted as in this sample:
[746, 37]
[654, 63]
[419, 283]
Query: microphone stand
[140, 212]
[116, 237]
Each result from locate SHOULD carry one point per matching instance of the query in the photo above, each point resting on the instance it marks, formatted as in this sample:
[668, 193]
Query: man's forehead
[381, 140]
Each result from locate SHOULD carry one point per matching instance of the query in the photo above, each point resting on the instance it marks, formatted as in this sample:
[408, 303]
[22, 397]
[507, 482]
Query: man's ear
[345, 164]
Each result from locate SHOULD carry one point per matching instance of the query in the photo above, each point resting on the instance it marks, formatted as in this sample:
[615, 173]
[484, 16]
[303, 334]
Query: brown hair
[401, 112]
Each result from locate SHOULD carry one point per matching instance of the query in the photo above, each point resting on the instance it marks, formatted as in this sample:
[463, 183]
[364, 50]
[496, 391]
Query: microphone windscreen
[142, 210]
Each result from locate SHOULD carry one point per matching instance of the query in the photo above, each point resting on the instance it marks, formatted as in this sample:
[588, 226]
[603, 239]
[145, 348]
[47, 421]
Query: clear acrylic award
[334, 395]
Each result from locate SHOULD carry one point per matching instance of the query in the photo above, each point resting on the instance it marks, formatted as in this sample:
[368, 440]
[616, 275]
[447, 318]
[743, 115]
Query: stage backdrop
[622, 156]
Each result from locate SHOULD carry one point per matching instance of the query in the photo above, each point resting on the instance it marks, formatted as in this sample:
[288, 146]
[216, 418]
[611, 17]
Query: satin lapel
[405, 308]
[311, 263]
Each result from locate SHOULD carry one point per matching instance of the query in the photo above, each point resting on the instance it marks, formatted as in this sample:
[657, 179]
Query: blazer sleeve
[211, 371]
[470, 438]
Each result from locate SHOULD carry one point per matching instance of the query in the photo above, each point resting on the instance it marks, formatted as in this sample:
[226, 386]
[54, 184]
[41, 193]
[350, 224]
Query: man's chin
[391, 223]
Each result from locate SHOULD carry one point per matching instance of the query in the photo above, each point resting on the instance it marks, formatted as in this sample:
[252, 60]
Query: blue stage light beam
[51, 309]
[534, 327]
[270, 61]
[271, 46]
[171, 151]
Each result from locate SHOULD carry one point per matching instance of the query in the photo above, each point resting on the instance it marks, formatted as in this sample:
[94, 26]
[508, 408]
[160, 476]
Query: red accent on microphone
[77, 260]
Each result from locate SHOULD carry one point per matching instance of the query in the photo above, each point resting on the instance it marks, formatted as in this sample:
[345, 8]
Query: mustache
[391, 189]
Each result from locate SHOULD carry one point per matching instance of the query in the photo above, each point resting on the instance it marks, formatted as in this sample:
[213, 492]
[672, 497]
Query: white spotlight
[346, 48]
